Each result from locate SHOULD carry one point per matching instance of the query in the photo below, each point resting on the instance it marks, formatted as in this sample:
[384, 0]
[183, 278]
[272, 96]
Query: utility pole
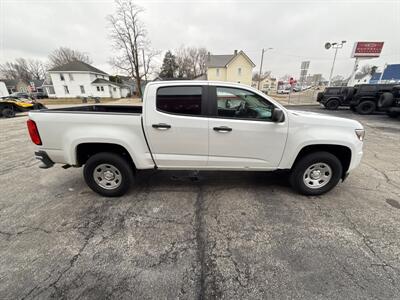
[335, 46]
[261, 65]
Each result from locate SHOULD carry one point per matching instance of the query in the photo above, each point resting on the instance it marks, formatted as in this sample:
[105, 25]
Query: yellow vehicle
[9, 106]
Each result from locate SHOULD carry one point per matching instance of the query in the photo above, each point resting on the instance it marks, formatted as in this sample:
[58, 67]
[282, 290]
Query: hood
[318, 119]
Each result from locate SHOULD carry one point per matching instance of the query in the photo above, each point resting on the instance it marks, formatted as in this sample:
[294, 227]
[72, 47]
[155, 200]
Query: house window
[62, 77]
[239, 71]
[66, 91]
[102, 88]
[217, 71]
[71, 78]
[82, 89]
[98, 89]
[50, 90]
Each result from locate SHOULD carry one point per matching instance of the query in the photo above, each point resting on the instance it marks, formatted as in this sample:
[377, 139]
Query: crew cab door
[176, 125]
[241, 132]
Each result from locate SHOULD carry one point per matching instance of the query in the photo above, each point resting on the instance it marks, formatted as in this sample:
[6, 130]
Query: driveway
[231, 235]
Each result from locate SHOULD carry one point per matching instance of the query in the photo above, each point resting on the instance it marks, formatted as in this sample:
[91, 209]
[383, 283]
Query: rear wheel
[366, 107]
[8, 113]
[316, 173]
[332, 104]
[108, 174]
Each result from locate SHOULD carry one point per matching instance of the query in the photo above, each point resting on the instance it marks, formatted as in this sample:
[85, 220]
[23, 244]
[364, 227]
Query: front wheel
[332, 104]
[316, 173]
[108, 174]
[366, 107]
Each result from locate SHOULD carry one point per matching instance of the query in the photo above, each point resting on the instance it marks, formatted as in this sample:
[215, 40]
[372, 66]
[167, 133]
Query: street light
[262, 58]
[335, 46]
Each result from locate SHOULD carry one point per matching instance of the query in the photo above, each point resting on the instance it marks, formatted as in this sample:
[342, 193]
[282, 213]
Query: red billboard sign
[367, 49]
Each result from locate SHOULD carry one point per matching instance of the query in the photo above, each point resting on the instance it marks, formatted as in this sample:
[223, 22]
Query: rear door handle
[161, 126]
[222, 129]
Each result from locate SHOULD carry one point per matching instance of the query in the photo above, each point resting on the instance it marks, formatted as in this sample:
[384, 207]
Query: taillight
[33, 132]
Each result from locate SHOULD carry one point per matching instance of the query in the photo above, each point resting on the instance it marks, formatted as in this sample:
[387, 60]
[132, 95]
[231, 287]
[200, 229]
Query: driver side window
[242, 104]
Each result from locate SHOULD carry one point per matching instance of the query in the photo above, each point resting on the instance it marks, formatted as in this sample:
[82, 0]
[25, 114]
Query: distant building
[236, 67]
[79, 79]
[391, 74]
[267, 84]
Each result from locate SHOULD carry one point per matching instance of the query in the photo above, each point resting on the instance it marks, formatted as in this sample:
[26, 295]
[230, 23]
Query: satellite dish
[327, 45]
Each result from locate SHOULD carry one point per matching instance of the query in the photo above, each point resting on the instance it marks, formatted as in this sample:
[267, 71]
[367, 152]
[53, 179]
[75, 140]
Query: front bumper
[45, 159]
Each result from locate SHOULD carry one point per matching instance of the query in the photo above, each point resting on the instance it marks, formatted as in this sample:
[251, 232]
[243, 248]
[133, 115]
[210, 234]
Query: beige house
[236, 67]
[267, 84]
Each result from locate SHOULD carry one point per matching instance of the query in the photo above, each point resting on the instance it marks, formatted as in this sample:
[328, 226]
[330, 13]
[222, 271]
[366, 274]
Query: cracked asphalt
[230, 235]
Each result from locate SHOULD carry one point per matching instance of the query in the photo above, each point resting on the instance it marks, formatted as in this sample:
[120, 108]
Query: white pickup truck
[197, 125]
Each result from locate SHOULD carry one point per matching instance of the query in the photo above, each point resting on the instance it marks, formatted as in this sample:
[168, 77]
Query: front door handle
[161, 126]
[222, 129]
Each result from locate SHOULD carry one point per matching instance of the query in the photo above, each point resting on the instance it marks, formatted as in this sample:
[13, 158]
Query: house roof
[105, 81]
[10, 82]
[78, 66]
[37, 82]
[219, 61]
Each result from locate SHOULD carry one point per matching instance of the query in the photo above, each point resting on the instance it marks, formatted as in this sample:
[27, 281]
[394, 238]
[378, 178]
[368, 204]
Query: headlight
[360, 133]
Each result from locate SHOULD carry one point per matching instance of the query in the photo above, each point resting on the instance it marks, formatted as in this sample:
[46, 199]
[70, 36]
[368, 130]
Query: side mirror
[278, 115]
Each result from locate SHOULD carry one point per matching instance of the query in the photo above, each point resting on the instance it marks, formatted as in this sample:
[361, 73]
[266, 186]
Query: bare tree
[25, 69]
[134, 55]
[37, 69]
[64, 55]
[191, 61]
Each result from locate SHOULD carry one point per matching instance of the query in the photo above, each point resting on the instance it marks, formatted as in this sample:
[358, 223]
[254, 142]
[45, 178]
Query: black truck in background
[363, 99]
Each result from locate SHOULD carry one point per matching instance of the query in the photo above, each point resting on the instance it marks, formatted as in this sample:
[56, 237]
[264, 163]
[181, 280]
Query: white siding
[79, 78]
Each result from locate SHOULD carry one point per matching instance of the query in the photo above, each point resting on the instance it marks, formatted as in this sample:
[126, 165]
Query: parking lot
[231, 235]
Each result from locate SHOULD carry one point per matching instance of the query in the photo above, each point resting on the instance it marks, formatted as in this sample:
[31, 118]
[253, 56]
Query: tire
[332, 168]
[116, 167]
[385, 100]
[366, 107]
[8, 113]
[332, 104]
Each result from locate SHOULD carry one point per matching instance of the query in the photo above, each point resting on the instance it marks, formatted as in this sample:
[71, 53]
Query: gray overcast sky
[297, 30]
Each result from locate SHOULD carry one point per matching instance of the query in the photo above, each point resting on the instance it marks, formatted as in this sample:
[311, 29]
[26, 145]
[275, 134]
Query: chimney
[235, 52]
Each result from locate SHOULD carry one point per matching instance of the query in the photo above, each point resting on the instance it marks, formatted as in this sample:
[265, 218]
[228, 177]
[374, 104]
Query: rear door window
[181, 100]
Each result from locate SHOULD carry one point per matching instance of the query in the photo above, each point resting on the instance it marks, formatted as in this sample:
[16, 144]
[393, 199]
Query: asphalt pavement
[178, 235]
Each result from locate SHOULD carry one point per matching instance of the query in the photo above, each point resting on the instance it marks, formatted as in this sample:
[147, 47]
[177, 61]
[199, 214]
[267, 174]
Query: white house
[79, 79]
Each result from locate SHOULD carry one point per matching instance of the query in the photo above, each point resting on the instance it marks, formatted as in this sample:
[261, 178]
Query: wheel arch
[84, 151]
[343, 153]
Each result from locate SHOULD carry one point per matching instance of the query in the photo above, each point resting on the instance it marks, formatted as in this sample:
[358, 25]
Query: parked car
[9, 106]
[197, 125]
[20, 95]
[390, 102]
[333, 97]
[366, 97]
[283, 91]
[39, 95]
